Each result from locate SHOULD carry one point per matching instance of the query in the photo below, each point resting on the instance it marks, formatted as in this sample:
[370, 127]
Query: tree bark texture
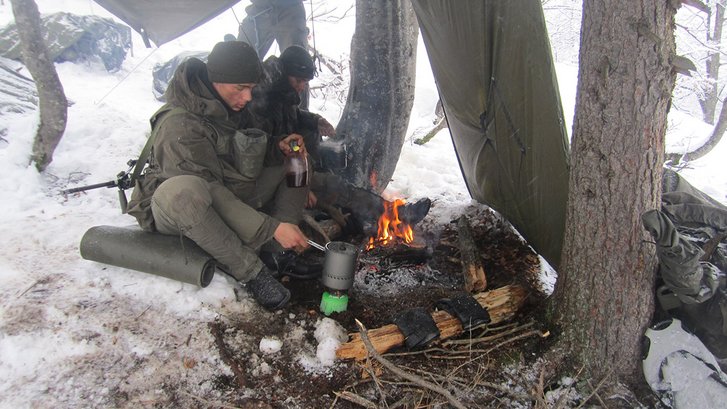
[604, 296]
[52, 102]
[381, 95]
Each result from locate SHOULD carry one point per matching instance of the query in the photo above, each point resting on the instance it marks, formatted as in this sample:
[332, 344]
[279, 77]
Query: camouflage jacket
[196, 141]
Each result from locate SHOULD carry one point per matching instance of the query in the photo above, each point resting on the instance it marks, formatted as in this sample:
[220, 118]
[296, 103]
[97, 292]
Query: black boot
[413, 213]
[267, 291]
[289, 263]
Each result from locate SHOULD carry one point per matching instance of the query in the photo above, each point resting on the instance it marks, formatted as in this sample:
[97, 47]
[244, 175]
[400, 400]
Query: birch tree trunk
[52, 102]
[604, 296]
[381, 95]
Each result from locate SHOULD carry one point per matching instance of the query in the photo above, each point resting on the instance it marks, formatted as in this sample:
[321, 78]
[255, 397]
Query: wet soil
[385, 285]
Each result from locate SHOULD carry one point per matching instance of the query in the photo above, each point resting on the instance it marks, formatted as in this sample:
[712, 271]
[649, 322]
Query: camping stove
[338, 271]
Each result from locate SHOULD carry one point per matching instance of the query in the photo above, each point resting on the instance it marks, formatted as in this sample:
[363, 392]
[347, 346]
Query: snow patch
[270, 345]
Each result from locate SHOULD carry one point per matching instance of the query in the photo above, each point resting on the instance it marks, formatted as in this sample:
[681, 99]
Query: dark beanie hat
[297, 62]
[233, 62]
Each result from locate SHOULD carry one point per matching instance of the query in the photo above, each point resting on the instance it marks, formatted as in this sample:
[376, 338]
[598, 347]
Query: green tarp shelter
[162, 21]
[493, 67]
[495, 75]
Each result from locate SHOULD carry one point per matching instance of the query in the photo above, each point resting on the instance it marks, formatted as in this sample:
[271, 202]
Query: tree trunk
[604, 296]
[714, 37]
[53, 105]
[381, 95]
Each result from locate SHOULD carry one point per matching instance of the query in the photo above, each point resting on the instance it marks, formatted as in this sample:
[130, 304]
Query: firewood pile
[478, 252]
[502, 303]
[492, 263]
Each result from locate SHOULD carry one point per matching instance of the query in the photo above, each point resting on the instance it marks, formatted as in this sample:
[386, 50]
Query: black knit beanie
[233, 62]
[297, 63]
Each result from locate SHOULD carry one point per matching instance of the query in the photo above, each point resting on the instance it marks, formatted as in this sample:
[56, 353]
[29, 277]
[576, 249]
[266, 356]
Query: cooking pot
[339, 265]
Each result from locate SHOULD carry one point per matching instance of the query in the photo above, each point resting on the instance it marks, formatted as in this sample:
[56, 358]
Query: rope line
[125, 77]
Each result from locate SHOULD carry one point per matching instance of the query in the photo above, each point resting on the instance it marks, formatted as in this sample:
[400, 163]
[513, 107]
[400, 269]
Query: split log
[474, 274]
[502, 304]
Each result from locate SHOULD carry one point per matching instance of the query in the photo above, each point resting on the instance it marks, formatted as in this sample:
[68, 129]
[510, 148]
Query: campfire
[391, 230]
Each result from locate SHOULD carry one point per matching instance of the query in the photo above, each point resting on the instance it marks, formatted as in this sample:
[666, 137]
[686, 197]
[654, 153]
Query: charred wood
[401, 255]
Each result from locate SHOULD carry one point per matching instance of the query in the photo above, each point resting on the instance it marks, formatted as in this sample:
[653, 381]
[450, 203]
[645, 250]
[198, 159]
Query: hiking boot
[267, 291]
[413, 213]
[289, 263]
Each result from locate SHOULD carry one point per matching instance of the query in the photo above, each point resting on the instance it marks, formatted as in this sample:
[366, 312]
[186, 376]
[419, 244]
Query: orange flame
[390, 227]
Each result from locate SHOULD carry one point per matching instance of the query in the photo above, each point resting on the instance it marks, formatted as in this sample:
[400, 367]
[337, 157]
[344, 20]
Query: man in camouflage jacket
[209, 178]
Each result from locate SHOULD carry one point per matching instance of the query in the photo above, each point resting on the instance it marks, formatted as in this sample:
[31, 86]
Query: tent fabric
[688, 231]
[494, 71]
[163, 21]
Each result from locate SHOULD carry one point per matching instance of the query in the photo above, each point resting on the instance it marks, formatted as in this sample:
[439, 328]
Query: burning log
[405, 255]
[502, 304]
[474, 274]
[400, 255]
[390, 228]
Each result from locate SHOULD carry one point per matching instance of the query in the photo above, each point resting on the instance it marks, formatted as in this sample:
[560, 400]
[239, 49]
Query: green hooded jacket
[196, 140]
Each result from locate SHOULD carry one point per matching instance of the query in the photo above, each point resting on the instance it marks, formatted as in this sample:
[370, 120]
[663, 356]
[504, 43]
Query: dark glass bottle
[296, 167]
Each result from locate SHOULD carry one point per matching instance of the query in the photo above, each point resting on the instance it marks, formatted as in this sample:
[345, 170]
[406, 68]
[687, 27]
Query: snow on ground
[74, 333]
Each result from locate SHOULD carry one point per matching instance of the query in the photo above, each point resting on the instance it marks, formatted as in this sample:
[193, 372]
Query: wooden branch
[441, 124]
[357, 399]
[469, 381]
[403, 374]
[501, 303]
[474, 275]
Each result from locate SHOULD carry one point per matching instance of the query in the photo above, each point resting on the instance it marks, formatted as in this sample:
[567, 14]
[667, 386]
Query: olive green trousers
[231, 227]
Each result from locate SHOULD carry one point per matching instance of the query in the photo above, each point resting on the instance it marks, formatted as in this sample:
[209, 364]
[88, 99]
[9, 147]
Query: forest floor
[109, 339]
[495, 366]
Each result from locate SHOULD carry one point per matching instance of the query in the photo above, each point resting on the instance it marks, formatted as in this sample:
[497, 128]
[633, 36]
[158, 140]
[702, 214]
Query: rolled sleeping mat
[153, 253]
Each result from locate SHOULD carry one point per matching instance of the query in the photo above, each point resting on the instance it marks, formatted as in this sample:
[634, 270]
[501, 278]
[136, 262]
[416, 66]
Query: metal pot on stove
[338, 274]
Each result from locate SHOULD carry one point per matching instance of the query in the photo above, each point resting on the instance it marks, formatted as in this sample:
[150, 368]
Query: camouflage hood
[191, 90]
